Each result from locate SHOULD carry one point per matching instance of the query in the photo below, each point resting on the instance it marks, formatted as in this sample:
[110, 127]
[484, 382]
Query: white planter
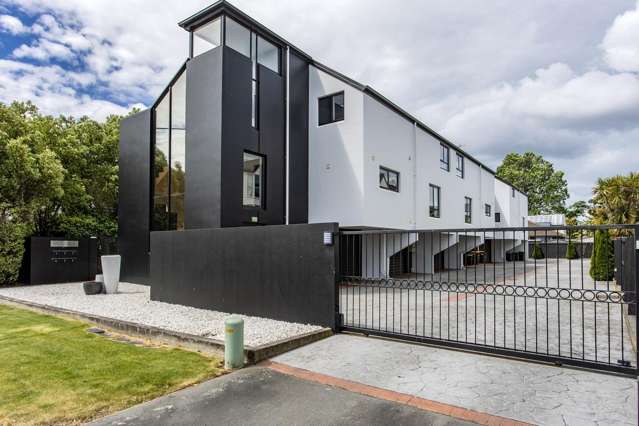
[111, 272]
[99, 278]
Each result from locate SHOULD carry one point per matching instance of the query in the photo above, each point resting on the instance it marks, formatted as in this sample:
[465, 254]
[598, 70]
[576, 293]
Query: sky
[560, 78]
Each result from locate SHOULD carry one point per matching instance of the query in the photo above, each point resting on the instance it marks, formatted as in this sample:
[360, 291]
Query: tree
[616, 200]
[571, 251]
[577, 212]
[537, 252]
[58, 176]
[546, 187]
[602, 262]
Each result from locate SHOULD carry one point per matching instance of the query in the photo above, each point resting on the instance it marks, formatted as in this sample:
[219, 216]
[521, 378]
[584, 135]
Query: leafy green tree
[58, 176]
[602, 262]
[546, 187]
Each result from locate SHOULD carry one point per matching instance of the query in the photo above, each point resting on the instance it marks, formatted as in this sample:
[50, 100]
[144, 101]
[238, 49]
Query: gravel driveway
[132, 303]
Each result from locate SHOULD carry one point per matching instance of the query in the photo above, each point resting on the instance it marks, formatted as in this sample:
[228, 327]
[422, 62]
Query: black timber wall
[134, 197]
[282, 272]
[202, 203]
[239, 135]
[298, 139]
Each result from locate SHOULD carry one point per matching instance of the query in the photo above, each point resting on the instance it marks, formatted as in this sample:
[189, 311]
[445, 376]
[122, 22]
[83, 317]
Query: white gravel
[132, 303]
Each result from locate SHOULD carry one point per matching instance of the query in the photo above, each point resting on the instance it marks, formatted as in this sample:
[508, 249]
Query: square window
[207, 37]
[435, 197]
[253, 180]
[268, 54]
[388, 179]
[238, 37]
[330, 108]
[444, 157]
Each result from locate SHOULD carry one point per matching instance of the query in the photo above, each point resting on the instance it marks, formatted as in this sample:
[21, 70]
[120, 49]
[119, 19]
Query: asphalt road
[261, 396]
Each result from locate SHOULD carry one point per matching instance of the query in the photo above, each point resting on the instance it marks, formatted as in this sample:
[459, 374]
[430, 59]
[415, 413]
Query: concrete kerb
[252, 354]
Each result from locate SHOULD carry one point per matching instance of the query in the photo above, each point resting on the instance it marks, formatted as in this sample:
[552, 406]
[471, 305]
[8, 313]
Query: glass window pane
[325, 106]
[238, 37]
[207, 37]
[254, 103]
[252, 182]
[161, 167]
[178, 171]
[338, 104]
[268, 54]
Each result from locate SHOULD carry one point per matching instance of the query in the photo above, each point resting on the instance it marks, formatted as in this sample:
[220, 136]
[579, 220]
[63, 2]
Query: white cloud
[44, 50]
[555, 77]
[54, 90]
[621, 43]
[12, 25]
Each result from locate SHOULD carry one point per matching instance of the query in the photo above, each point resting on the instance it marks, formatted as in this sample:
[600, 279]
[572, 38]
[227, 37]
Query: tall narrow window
[434, 199]
[268, 54]
[388, 179]
[161, 166]
[253, 180]
[512, 192]
[497, 217]
[331, 108]
[444, 157]
[207, 37]
[178, 158]
[254, 83]
[487, 210]
[460, 165]
[468, 210]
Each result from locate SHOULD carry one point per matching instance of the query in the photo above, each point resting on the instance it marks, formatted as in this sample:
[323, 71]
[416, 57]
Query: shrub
[571, 251]
[602, 262]
[537, 252]
[11, 251]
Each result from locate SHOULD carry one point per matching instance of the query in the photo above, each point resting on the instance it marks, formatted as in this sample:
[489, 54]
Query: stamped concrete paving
[260, 396]
[519, 390]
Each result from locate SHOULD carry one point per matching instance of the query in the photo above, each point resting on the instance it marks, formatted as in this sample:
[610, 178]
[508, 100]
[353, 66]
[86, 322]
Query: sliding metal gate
[523, 292]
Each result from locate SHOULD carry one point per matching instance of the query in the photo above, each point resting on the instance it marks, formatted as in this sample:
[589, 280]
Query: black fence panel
[493, 290]
[285, 272]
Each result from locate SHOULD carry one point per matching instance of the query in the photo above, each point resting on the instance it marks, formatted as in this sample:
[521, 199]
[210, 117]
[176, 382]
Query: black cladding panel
[298, 139]
[203, 201]
[282, 272]
[134, 196]
[238, 135]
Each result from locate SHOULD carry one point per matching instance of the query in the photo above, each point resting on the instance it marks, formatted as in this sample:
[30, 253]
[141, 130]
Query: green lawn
[53, 371]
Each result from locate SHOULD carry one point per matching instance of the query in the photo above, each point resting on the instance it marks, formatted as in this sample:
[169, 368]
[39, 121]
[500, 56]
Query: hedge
[602, 262]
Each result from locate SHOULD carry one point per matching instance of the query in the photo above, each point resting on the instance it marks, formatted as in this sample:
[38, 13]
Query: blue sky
[558, 78]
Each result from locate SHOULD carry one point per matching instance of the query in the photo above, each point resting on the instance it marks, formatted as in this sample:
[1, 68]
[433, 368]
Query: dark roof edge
[223, 6]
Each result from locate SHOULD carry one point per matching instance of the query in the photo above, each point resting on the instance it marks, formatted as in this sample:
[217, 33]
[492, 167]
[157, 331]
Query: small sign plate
[63, 243]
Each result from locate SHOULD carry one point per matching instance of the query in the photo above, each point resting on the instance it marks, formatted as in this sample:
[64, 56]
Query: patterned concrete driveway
[518, 390]
[549, 307]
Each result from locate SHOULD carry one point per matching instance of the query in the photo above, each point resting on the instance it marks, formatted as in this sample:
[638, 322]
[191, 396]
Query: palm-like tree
[616, 200]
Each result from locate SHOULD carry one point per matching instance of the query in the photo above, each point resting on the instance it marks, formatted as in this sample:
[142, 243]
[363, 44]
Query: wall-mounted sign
[64, 243]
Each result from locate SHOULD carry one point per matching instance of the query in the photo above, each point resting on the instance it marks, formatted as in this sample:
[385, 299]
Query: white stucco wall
[336, 154]
[344, 161]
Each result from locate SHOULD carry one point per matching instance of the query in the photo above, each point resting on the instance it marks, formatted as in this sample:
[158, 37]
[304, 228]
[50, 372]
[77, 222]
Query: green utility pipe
[233, 343]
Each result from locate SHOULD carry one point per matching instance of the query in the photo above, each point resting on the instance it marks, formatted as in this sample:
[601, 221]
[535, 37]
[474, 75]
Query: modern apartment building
[253, 131]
